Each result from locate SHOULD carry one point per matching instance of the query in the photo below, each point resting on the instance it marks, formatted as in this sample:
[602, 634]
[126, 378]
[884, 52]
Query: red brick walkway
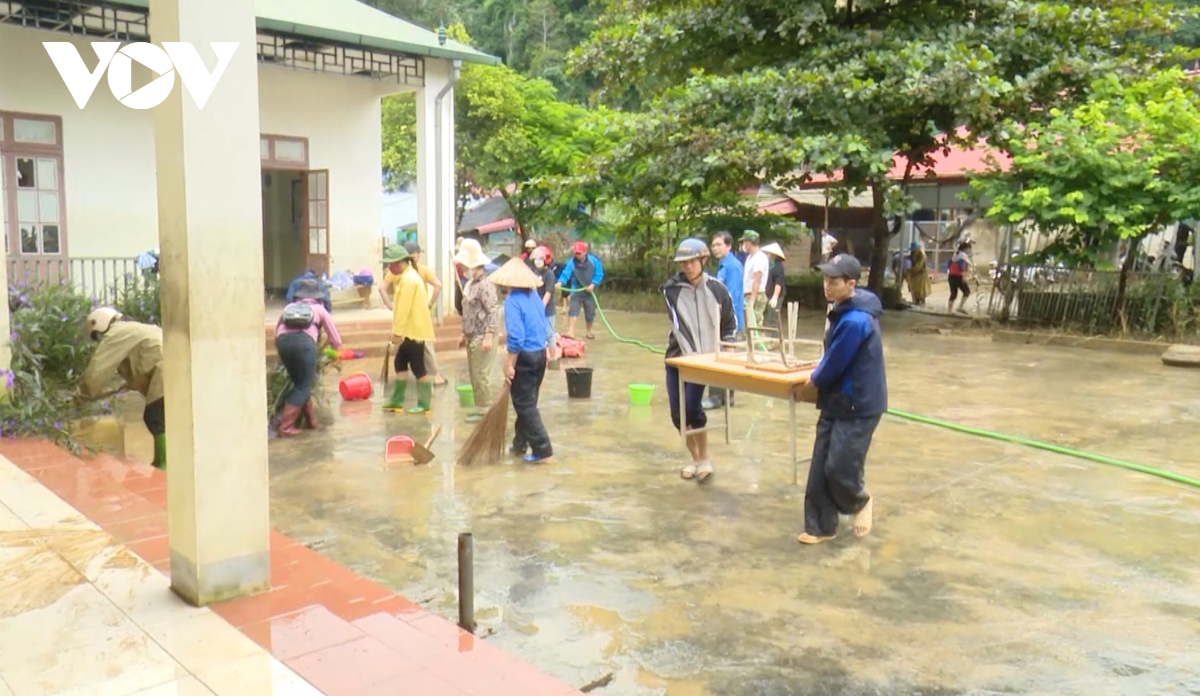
[346, 635]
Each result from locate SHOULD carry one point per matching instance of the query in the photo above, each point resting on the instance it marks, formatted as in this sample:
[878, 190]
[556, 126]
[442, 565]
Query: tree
[513, 136]
[774, 90]
[1116, 168]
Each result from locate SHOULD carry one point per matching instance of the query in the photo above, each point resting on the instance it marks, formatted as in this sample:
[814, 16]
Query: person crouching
[525, 362]
[134, 351]
[296, 335]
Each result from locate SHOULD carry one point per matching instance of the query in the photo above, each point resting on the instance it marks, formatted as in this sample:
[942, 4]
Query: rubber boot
[160, 452]
[398, 392]
[424, 398]
[287, 421]
[309, 418]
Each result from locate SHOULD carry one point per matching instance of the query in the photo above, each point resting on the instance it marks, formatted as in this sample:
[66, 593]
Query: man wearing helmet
[701, 312]
[134, 351]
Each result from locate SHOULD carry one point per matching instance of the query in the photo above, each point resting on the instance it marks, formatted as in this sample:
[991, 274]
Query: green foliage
[138, 299]
[512, 135]
[776, 90]
[49, 356]
[1113, 169]
[1159, 307]
[533, 37]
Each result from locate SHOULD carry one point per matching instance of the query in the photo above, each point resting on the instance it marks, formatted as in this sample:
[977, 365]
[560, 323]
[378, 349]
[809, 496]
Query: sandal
[591, 336]
[704, 472]
[688, 472]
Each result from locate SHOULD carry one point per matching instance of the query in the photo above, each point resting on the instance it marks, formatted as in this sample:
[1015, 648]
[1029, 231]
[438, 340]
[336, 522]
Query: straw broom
[485, 444]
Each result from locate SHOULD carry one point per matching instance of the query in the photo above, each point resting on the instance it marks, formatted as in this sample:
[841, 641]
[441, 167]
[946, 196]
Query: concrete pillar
[5, 321]
[210, 227]
[437, 231]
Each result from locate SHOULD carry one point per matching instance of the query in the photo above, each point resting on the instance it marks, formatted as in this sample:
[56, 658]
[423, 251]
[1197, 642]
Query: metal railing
[101, 278]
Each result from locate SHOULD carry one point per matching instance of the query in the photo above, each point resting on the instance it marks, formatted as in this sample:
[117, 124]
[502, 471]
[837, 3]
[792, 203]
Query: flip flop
[812, 539]
[591, 336]
[688, 472]
[704, 472]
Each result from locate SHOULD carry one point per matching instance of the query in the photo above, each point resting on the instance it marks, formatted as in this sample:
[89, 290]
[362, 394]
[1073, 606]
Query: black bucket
[579, 382]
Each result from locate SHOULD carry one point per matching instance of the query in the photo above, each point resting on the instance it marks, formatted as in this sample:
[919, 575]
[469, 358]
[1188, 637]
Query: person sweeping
[134, 351]
[296, 335]
[412, 327]
[525, 360]
[701, 312]
[917, 275]
[479, 323]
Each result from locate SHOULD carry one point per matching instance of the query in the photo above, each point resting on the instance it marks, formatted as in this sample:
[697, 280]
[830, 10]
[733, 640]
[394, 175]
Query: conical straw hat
[773, 249]
[515, 274]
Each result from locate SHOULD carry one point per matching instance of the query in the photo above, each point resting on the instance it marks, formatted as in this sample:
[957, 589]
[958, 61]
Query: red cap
[580, 247]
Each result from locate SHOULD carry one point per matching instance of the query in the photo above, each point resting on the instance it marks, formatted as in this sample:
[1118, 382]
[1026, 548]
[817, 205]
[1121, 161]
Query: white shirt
[827, 243]
[755, 263]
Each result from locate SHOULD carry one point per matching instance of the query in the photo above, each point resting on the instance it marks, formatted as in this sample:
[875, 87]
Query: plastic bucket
[466, 395]
[640, 394]
[579, 382]
[355, 386]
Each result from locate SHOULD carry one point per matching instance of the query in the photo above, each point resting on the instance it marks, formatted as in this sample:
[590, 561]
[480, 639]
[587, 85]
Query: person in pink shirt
[296, 336]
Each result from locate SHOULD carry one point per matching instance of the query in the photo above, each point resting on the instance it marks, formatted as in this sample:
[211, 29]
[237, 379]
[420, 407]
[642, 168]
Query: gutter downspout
[447, 287]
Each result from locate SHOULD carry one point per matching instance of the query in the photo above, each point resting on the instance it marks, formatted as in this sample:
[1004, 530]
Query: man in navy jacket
[851, 391]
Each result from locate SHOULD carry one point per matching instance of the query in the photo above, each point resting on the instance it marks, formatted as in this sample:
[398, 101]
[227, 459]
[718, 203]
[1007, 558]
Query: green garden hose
[978, 432]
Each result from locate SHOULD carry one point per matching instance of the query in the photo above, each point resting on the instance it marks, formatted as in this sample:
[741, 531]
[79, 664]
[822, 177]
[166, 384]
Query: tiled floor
[345, 635]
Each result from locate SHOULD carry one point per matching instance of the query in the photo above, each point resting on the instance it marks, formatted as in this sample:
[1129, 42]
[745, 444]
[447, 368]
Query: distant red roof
[960, 163]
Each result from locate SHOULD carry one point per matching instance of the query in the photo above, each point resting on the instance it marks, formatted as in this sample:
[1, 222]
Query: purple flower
[58, 425]
[8, 378]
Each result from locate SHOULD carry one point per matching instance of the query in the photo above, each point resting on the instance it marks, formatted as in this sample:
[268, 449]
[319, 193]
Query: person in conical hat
[480, 320]
[525, 358]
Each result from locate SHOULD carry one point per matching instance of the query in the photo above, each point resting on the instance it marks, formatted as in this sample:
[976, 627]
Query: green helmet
[691, 248]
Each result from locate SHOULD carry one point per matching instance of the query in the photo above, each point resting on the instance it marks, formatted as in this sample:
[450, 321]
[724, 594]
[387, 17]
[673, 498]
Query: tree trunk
[1130, 258]
[879, 226]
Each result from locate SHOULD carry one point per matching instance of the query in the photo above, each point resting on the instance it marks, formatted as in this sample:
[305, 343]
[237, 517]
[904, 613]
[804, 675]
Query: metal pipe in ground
[466, 582]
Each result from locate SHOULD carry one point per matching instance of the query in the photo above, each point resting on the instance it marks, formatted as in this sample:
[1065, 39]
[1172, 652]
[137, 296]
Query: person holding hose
[480, 317]
[412, 328]
[850, 388]
[525, 361]
[581, 275]
[701, 313]
[776, 283]
[134, 351]
[296, 336]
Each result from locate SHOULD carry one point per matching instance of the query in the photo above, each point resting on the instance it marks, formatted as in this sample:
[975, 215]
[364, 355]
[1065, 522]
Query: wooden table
[706, 370]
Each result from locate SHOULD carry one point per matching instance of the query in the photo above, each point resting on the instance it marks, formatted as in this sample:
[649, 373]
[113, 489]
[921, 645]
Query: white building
[79, 189]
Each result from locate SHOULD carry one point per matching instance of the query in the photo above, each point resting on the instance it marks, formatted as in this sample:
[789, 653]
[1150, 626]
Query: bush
[138, 299]
[808, 289]
[49, 356]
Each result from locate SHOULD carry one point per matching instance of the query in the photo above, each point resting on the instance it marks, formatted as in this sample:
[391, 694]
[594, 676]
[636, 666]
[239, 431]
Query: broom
[485, 444]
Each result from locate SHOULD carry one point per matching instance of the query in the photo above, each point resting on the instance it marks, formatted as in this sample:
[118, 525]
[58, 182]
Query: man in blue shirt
[525, 362]
[730, 274]
[583, 273]
[850, 388]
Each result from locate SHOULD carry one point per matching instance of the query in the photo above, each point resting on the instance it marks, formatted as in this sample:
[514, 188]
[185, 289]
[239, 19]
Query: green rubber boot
[424, 398]
[160, 452]
[397, 402]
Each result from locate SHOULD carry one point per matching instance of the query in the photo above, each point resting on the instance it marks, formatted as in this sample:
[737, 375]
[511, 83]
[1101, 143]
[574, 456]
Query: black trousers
[155, 417]
[527, 382]
[298, 353]
[835, 476]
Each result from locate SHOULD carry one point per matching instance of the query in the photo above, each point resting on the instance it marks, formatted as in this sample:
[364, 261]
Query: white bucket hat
[470, 255]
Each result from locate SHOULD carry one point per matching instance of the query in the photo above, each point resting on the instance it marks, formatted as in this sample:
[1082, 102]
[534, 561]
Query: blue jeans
[693, 397]
[298, 353]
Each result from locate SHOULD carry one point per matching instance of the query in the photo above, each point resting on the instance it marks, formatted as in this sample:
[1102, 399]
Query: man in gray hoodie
[701, 312]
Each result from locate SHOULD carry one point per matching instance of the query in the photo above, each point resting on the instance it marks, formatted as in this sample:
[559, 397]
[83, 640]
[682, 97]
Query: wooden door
[316, 221]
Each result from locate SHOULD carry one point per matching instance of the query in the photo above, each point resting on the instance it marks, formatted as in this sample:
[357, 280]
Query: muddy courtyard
[992, 567]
